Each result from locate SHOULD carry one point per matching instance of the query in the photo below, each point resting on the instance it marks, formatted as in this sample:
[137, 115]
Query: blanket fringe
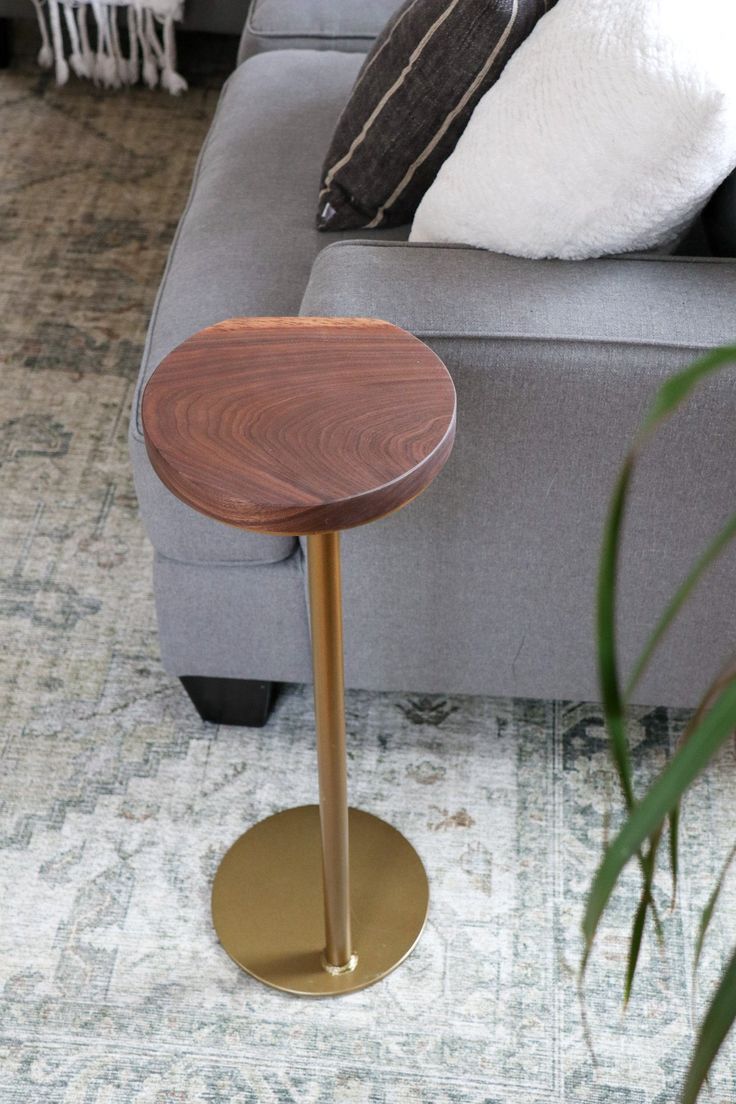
[151, 48]
[45, 54]
[76, 57]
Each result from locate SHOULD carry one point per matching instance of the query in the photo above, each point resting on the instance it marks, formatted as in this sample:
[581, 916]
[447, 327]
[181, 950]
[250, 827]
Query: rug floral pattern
[116, 802]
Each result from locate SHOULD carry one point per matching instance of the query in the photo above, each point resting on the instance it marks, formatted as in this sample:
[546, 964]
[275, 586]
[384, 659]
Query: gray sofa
[485, 585]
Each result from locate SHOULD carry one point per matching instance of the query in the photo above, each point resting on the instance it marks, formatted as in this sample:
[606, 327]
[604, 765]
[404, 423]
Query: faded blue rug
[116, 802]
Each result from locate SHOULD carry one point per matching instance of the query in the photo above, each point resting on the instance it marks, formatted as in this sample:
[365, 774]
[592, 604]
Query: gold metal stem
[325, 605]
[274, 914]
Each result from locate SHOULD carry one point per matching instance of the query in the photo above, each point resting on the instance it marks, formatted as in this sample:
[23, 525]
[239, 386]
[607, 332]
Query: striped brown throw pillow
[414, 95]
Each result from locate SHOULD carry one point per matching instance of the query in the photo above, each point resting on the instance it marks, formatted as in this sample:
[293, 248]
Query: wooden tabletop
[299, 425]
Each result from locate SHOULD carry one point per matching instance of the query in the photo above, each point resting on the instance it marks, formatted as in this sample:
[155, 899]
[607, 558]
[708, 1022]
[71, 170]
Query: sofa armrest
[458, 292]
[554, 363]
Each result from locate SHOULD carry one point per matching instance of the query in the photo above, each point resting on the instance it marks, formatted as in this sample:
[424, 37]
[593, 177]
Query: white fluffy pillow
[607, 131]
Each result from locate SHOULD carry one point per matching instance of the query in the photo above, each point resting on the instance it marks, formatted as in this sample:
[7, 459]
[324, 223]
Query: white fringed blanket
[84, 36]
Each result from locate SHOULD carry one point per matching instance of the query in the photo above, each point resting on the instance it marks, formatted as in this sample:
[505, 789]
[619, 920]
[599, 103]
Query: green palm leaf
[675, 390]
[670, 395]
[709, 728]
[716, 1025]
[614, 706]
[613, 703]
[710, 907]
[674, 835]
[712, 552]
[640, 918]
[647, 815]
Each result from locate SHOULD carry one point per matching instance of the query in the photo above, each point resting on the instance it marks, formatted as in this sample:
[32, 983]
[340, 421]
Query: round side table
[307, 426]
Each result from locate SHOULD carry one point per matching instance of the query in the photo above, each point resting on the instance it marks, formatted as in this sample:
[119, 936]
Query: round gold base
[268, 907]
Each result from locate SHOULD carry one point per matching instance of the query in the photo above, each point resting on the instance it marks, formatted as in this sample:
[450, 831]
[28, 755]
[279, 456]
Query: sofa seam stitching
[295, 551]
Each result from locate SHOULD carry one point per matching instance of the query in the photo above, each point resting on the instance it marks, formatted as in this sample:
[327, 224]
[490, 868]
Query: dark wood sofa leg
[228, 701]
[6, 42]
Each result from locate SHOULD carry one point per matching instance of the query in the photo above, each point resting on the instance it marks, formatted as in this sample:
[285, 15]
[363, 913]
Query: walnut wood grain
[299, 425]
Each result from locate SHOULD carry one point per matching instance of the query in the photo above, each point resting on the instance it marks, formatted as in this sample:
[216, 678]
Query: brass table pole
[281, 897]
[325, 606]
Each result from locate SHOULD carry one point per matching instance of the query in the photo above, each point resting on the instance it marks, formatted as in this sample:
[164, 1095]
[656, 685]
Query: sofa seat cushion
[244, 246]
[349, 25]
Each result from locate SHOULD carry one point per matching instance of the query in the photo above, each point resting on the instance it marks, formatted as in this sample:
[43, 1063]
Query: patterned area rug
[116, 802]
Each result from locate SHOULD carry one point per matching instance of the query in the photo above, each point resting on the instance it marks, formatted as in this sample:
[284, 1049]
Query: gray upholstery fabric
[233, 621]
[486, 583]
[244, 246]
[454, 290]
[349, 25]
